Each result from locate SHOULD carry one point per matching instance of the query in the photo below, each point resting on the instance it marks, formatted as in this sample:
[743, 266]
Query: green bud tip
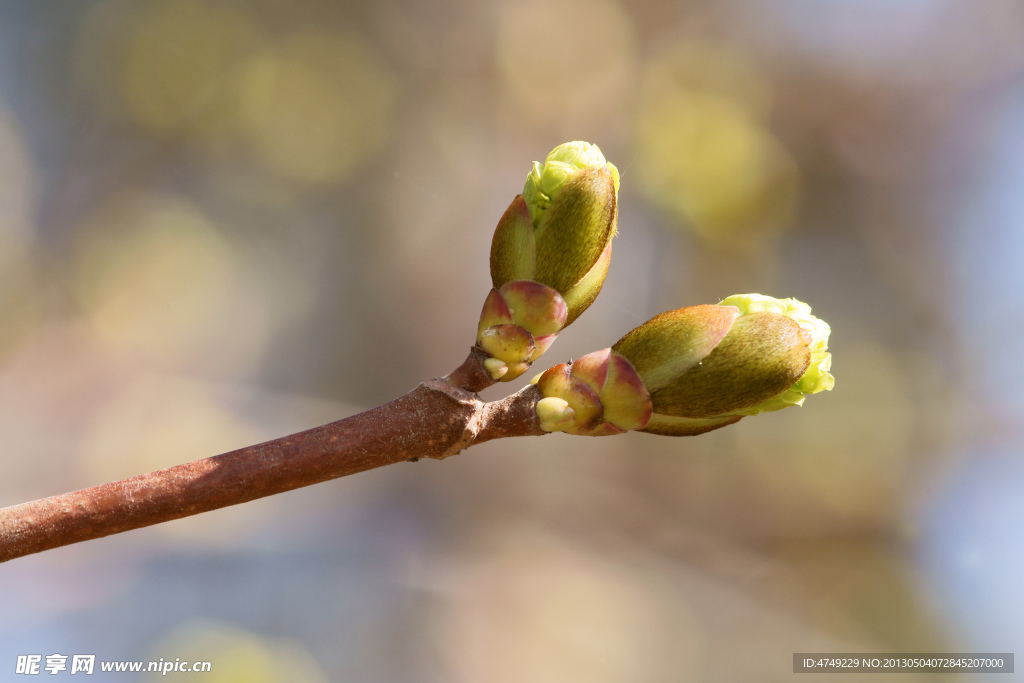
[545, 181]
[817, 377]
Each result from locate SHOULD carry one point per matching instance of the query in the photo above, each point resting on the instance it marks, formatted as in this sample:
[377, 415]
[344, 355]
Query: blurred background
[223, 222]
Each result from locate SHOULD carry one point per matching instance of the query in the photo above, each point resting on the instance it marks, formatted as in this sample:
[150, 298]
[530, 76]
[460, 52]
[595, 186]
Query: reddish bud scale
[603, 389]
[519, 321]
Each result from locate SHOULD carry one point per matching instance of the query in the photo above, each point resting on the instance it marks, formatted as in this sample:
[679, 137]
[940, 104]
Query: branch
[437, 419]
[472, 375]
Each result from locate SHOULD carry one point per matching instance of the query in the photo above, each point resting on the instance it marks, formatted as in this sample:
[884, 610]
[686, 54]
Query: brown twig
[472, 375]
[437, 419]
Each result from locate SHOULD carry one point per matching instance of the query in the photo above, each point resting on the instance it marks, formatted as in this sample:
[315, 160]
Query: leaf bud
[546, 180]
[519, 321]
[709, 366]
[603, 391]
[559, 231]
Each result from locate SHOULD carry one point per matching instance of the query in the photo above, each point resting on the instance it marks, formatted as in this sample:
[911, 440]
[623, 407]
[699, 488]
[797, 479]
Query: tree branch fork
[438, 419]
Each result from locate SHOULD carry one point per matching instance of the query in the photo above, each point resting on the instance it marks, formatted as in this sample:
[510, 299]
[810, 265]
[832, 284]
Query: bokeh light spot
[316, 106]
[534, 608]
[179, 59]
[565, 58]
[705, 155]
[156, 279]
[156, 422]
[238, 656]
[845, 453]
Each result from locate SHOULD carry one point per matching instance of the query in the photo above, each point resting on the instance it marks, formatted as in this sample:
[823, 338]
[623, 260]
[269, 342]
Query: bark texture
[437, 419]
